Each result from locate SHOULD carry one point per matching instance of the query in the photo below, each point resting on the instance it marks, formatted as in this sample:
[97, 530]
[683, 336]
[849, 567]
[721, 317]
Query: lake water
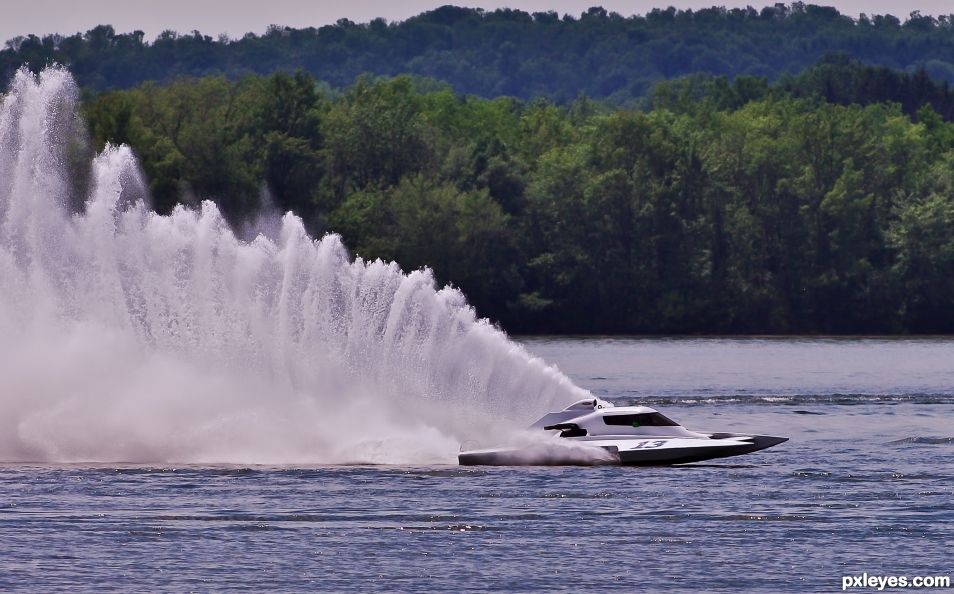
[866, 484]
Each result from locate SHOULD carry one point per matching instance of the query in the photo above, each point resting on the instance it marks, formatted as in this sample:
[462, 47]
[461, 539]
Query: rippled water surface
[866, 484]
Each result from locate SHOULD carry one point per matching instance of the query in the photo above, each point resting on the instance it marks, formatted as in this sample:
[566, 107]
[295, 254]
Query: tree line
[724, 206]
[510, 52]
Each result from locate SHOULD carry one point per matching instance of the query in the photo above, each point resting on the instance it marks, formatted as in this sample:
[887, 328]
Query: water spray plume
[130, 336]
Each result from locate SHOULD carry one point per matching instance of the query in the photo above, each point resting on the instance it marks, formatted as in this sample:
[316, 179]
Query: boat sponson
[539, 456]
[670, 456]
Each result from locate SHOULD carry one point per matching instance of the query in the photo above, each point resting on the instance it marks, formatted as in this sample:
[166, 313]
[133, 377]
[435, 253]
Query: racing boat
[632, 435]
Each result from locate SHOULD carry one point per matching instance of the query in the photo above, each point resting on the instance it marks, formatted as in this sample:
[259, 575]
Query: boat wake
[924, 441]
[129, 336]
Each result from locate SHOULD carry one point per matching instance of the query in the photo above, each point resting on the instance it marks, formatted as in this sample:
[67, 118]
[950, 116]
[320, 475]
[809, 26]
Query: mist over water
[129, 336]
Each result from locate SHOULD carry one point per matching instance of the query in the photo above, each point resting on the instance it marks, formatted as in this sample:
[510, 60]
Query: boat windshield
[654, 419]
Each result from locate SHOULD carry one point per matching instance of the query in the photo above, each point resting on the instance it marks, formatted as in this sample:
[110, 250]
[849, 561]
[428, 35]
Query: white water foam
[129, 336]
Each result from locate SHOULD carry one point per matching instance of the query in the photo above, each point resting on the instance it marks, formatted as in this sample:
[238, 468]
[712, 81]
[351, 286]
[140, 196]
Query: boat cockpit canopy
[653, 419]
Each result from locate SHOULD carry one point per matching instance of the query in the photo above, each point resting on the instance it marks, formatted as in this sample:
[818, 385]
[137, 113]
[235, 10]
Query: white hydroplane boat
[636, 435]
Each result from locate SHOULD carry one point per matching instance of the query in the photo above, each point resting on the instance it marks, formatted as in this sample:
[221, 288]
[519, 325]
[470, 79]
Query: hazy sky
[236, 17]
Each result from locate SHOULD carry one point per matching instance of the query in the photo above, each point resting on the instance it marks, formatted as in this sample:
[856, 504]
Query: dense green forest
[821, 202]
[513, 53]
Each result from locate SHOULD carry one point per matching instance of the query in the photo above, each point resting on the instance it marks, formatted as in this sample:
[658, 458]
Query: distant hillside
[821, 203]
[510, 52]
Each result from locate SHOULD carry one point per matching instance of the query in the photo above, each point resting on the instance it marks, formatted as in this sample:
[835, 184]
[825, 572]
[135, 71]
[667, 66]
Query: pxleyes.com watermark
[894, 581]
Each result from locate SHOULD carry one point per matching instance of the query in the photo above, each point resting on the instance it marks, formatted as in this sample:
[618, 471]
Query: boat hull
[627, 452]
